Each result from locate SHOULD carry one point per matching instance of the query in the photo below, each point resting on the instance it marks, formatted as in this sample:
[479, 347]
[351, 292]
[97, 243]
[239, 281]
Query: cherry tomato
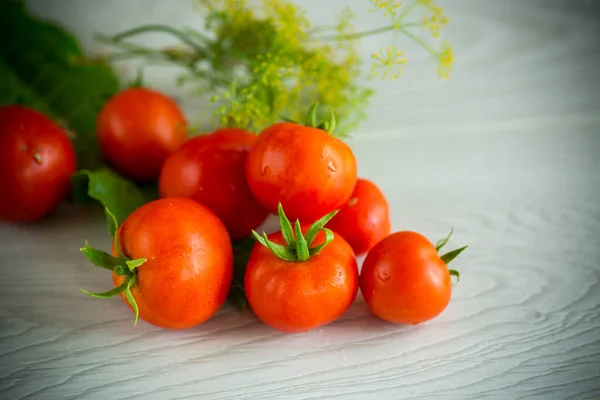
[210, 169]
[306, 169]
[189, 262]
[296, 296]
[404, 280]
[137, 129]
[365, 219]
[36, 163]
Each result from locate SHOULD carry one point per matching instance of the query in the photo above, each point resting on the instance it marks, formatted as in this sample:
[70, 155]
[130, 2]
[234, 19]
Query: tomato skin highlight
[189, 266]
[306, 169]
[299, 296]
[365, 219]
[210, 169]
[37, 161]
[137, 129]
[404, 280]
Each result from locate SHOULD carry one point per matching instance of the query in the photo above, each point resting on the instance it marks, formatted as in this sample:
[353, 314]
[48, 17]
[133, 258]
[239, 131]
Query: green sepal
[121, 266]
[285, 226]
[104, 295]
[455, 273]
[332, 123]
[111, 220]
[442, 242]
[100, 258]
[297, 246]
[311, 119]
[286, 119]
[314, 229]
[280, 251]
[302, 251]
[277, 249]
[446, 258]
[329, 236]
[130, 283]
[133, 264]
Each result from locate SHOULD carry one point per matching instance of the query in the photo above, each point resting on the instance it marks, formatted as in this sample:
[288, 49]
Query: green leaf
[241, 254]
[113, 191]
[100, 258]
[314, 229]
[302, 251]
[446, 258]
[442, 242]
[285, 226]
[110, 293]
[44, 68]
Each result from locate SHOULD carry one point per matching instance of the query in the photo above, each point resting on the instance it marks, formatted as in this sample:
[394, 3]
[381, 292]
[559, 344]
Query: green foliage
[111, 190]
[42, 67]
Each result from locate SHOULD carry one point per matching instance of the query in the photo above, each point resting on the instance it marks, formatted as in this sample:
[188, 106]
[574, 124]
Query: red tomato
[296, 296]
[306, 169]
[365, 219]
[210, 169]
[404, 280]
[137, 129]
[189, 264]
[36, 163]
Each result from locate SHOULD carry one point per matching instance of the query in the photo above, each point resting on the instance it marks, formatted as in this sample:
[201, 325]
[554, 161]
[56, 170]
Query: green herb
[263, 63]
[43, 67]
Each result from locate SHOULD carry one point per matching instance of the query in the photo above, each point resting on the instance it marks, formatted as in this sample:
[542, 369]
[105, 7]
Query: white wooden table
[507, 152]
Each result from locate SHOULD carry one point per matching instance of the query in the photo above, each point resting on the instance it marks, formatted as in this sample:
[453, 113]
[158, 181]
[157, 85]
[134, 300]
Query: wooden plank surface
[507, 153]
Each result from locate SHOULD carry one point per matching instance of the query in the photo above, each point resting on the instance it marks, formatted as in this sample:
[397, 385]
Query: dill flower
[388, 63]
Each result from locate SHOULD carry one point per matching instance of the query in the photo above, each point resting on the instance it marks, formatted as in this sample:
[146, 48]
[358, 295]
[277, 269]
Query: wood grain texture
[507, 153]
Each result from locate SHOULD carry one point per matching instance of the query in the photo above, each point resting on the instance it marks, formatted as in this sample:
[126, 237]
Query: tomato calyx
[120, 265]
[451, 255]
[298, 245]
[313, 121]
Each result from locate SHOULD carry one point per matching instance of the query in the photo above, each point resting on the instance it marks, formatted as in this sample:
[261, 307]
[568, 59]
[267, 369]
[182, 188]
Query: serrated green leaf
[109, 188]
[43, 68]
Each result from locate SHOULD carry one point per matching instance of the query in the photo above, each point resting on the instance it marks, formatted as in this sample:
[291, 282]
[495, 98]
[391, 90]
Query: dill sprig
[262, 63]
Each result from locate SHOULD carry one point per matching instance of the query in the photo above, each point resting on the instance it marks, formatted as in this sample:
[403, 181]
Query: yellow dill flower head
[388, 64]
[445, 60]
[389, 7]
[436, 20]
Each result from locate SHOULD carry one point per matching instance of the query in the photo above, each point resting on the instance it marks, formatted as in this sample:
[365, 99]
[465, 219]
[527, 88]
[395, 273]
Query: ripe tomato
[189, 262]
[404, 280]
[36, 163]
[137, 129]
[306, 169]
[365, 219]
[296, 296]
[210, 169]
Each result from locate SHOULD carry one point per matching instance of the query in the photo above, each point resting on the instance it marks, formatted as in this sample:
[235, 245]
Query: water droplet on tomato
[383, 275]
[331, 166]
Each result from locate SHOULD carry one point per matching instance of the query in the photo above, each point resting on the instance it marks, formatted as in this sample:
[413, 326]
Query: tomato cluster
[172, 260]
